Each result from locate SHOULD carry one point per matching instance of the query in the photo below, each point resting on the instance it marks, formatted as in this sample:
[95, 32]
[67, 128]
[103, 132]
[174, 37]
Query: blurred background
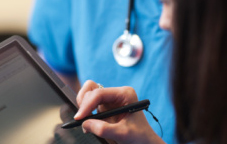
[14, 17]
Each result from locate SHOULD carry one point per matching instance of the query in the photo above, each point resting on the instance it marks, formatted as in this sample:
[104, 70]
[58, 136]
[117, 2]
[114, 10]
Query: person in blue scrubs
[76, 39]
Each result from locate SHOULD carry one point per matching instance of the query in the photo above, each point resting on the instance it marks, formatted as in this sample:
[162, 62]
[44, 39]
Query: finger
[88, 86]
[113, 96]
[101, 128]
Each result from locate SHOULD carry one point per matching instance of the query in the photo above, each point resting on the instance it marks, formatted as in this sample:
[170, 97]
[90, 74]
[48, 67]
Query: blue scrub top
[76, 37]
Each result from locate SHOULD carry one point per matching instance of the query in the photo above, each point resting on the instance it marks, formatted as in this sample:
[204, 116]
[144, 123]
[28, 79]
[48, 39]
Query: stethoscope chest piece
[127, 49]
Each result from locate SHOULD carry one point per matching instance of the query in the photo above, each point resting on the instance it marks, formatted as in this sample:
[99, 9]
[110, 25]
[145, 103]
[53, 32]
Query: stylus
[131, 108]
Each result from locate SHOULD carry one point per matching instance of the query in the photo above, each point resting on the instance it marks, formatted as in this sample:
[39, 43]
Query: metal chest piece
[127, 49]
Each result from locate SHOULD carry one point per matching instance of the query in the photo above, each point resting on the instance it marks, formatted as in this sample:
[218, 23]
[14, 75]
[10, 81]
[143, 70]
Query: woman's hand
[125, 128]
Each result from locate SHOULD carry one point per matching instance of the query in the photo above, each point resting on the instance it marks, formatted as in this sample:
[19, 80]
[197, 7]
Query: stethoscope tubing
[128, 20]
[128, 48]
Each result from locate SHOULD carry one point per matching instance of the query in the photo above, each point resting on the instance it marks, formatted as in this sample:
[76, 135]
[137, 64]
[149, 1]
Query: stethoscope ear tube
[128, 48]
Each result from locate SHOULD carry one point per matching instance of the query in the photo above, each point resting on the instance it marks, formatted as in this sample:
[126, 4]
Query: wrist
[153, 138]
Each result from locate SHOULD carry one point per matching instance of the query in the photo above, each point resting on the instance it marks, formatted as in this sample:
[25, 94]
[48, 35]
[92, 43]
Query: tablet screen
[30, 104]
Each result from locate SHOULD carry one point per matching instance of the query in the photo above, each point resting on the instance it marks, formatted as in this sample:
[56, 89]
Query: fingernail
[76, 115]
[84, 130]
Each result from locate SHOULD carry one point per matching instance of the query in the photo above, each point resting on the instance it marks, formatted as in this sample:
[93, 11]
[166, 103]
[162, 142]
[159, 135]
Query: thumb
[100, 128]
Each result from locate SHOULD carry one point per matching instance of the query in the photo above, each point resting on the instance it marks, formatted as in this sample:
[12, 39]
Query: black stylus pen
[134, 107]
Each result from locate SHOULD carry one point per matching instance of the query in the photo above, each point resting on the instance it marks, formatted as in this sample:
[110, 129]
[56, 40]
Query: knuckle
[89, 82]
[129, 90]
[87, 94]
[97, 92]
[83, 98]
[130, 93]
[95, 96]
[92, 96]
[101, 130]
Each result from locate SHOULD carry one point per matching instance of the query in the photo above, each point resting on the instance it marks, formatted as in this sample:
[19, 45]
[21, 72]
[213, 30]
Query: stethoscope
[128, 48]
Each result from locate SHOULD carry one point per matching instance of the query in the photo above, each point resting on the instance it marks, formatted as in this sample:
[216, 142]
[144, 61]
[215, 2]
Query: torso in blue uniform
[76, 36]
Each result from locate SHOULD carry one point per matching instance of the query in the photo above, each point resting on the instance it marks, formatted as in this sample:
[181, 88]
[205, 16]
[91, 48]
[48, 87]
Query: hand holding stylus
[123, 128]
[130, 108]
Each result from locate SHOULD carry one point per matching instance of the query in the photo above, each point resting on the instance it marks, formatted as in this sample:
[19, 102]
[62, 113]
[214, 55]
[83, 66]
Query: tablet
[31, 96]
